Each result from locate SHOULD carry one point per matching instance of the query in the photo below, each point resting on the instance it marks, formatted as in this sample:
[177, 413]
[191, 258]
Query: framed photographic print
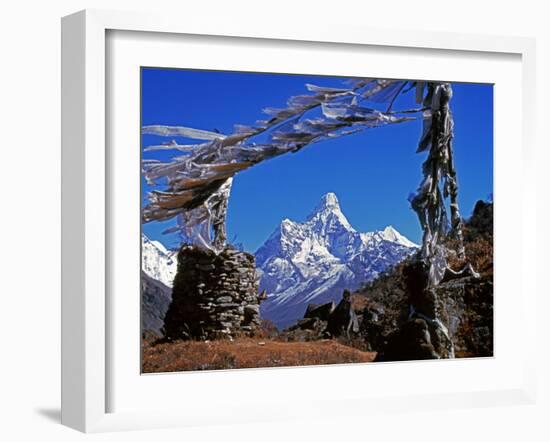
[251, 209]
[231, 279]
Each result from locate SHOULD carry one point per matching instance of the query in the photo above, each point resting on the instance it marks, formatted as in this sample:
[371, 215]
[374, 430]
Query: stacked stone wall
[214, 295]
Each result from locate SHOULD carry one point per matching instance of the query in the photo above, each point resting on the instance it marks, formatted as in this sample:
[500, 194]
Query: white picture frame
[86, 357]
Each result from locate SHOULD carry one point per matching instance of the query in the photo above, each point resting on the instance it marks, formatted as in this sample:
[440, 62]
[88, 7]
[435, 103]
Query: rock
[481, 222]
[224, 299]
[326, 320]
[320, 311]
[227, 305]
[425, 304]
[205, 267]
[458, 313]
[307, 323]
[466, 307]
[251, 314]
[342, 321]
[371, 328]
[410, 342]
[252, 309]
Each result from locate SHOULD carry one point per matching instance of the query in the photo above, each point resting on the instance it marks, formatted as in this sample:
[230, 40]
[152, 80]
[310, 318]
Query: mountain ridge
[316, 260]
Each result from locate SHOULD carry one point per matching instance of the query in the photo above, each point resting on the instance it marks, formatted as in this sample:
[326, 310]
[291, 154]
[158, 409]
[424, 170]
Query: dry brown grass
[359, 302]
[245, 353]
[479, 253]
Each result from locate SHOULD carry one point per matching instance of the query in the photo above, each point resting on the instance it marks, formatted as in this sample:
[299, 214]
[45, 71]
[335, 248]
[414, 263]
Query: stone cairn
[424, 334]
[214, 296]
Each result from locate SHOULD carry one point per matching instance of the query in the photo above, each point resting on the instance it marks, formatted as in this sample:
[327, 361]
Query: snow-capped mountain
[314, 261]
[158, 269]
[158, 262]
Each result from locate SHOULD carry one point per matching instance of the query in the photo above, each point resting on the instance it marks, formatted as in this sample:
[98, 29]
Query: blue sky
[372, 172]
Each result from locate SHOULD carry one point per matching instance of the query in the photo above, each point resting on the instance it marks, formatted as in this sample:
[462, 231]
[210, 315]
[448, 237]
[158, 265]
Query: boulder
[322, 311]
[412, 341]
[325, 321]
[342, 321]
[371, 328]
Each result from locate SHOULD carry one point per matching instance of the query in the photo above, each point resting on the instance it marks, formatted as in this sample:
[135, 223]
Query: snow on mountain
[316, 260]
[157, 262]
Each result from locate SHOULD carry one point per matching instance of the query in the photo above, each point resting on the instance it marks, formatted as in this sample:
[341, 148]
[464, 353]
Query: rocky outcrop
[454, 320]
[466, 306]
[411, 342]
[371, 327]
[325, 321]
[343, 320]
[480, 223]
[401, 320]
[321, 312]
[214, 295]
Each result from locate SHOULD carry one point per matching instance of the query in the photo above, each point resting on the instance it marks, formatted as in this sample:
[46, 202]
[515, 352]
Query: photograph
[291, 219]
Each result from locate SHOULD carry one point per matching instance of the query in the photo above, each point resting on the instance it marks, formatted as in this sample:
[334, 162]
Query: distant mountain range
[300, 263]
[158, 268]
[157, 262]
[314, 261]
